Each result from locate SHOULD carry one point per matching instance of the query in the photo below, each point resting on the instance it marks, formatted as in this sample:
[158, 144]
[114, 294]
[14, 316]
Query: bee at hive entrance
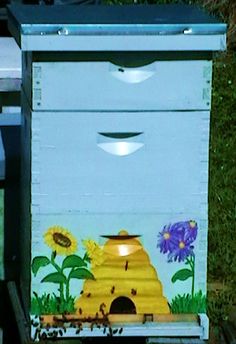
[122, 305]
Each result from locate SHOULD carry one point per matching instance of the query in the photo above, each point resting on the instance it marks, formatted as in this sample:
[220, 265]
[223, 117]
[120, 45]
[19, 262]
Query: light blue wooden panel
[161, 85]
[71, 171]
[184, 42]
[10, 57]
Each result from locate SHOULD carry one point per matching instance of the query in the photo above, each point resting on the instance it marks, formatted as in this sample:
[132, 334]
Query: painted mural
[176, 241]
[117, 277]
[62, 243]
[125, 282]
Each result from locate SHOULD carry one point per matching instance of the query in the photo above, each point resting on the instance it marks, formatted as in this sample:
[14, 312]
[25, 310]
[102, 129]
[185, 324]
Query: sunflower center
[181, 244]
[61, 240]
[192, 224]
[166, 236]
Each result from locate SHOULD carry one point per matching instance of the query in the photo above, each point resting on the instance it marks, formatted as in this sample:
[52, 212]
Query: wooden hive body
[115, 129]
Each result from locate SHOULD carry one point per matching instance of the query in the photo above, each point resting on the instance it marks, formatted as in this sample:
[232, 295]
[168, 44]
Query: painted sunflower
[94, 252]
[60, 240]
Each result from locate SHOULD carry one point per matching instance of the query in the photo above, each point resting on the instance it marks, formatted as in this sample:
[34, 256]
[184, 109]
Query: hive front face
[115, 168]
[116, 198]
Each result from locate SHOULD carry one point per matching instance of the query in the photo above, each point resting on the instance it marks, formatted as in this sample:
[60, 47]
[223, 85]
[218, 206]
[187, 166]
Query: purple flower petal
[181, 252]
[186, 229]
[176, 239]
[192, 230]
[166, 240]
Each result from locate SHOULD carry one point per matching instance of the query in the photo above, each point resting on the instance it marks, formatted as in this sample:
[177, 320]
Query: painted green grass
[51, 304]
[187, 303]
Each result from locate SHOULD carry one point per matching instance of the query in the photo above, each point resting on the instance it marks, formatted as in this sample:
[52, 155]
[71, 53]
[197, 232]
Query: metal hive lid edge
[122, 29]
[23, 23]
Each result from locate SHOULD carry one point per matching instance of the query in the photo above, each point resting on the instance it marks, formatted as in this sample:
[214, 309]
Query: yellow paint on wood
[126, 272]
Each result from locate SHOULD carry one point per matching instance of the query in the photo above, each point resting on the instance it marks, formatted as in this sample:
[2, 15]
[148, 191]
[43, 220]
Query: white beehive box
[10, 79]
[116, 108]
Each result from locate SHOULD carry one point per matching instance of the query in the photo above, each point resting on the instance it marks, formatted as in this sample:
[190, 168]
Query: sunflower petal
[60, 240]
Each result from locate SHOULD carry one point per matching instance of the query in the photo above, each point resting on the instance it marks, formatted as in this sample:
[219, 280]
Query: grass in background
[222, 191]
[222, 242]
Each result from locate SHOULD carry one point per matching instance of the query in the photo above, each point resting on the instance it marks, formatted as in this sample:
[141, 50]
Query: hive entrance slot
[122, 305]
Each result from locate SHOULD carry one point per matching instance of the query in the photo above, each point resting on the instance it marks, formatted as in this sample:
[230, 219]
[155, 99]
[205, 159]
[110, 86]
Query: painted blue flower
[176, 240]
[186, 228]
[192, 230]
[182, 249]
[166, 240]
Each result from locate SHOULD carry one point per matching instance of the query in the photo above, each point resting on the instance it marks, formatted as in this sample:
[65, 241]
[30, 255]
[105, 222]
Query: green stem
[191, 263]
[193, 270]
[67, 290]
[57, 267]
[68, 285]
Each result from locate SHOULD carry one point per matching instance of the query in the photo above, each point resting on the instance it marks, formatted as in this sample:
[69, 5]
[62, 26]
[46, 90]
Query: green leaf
[39, 262]
[73, 261]
[55, 277]
[86, 258]
[182, 275]
[81, 273]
